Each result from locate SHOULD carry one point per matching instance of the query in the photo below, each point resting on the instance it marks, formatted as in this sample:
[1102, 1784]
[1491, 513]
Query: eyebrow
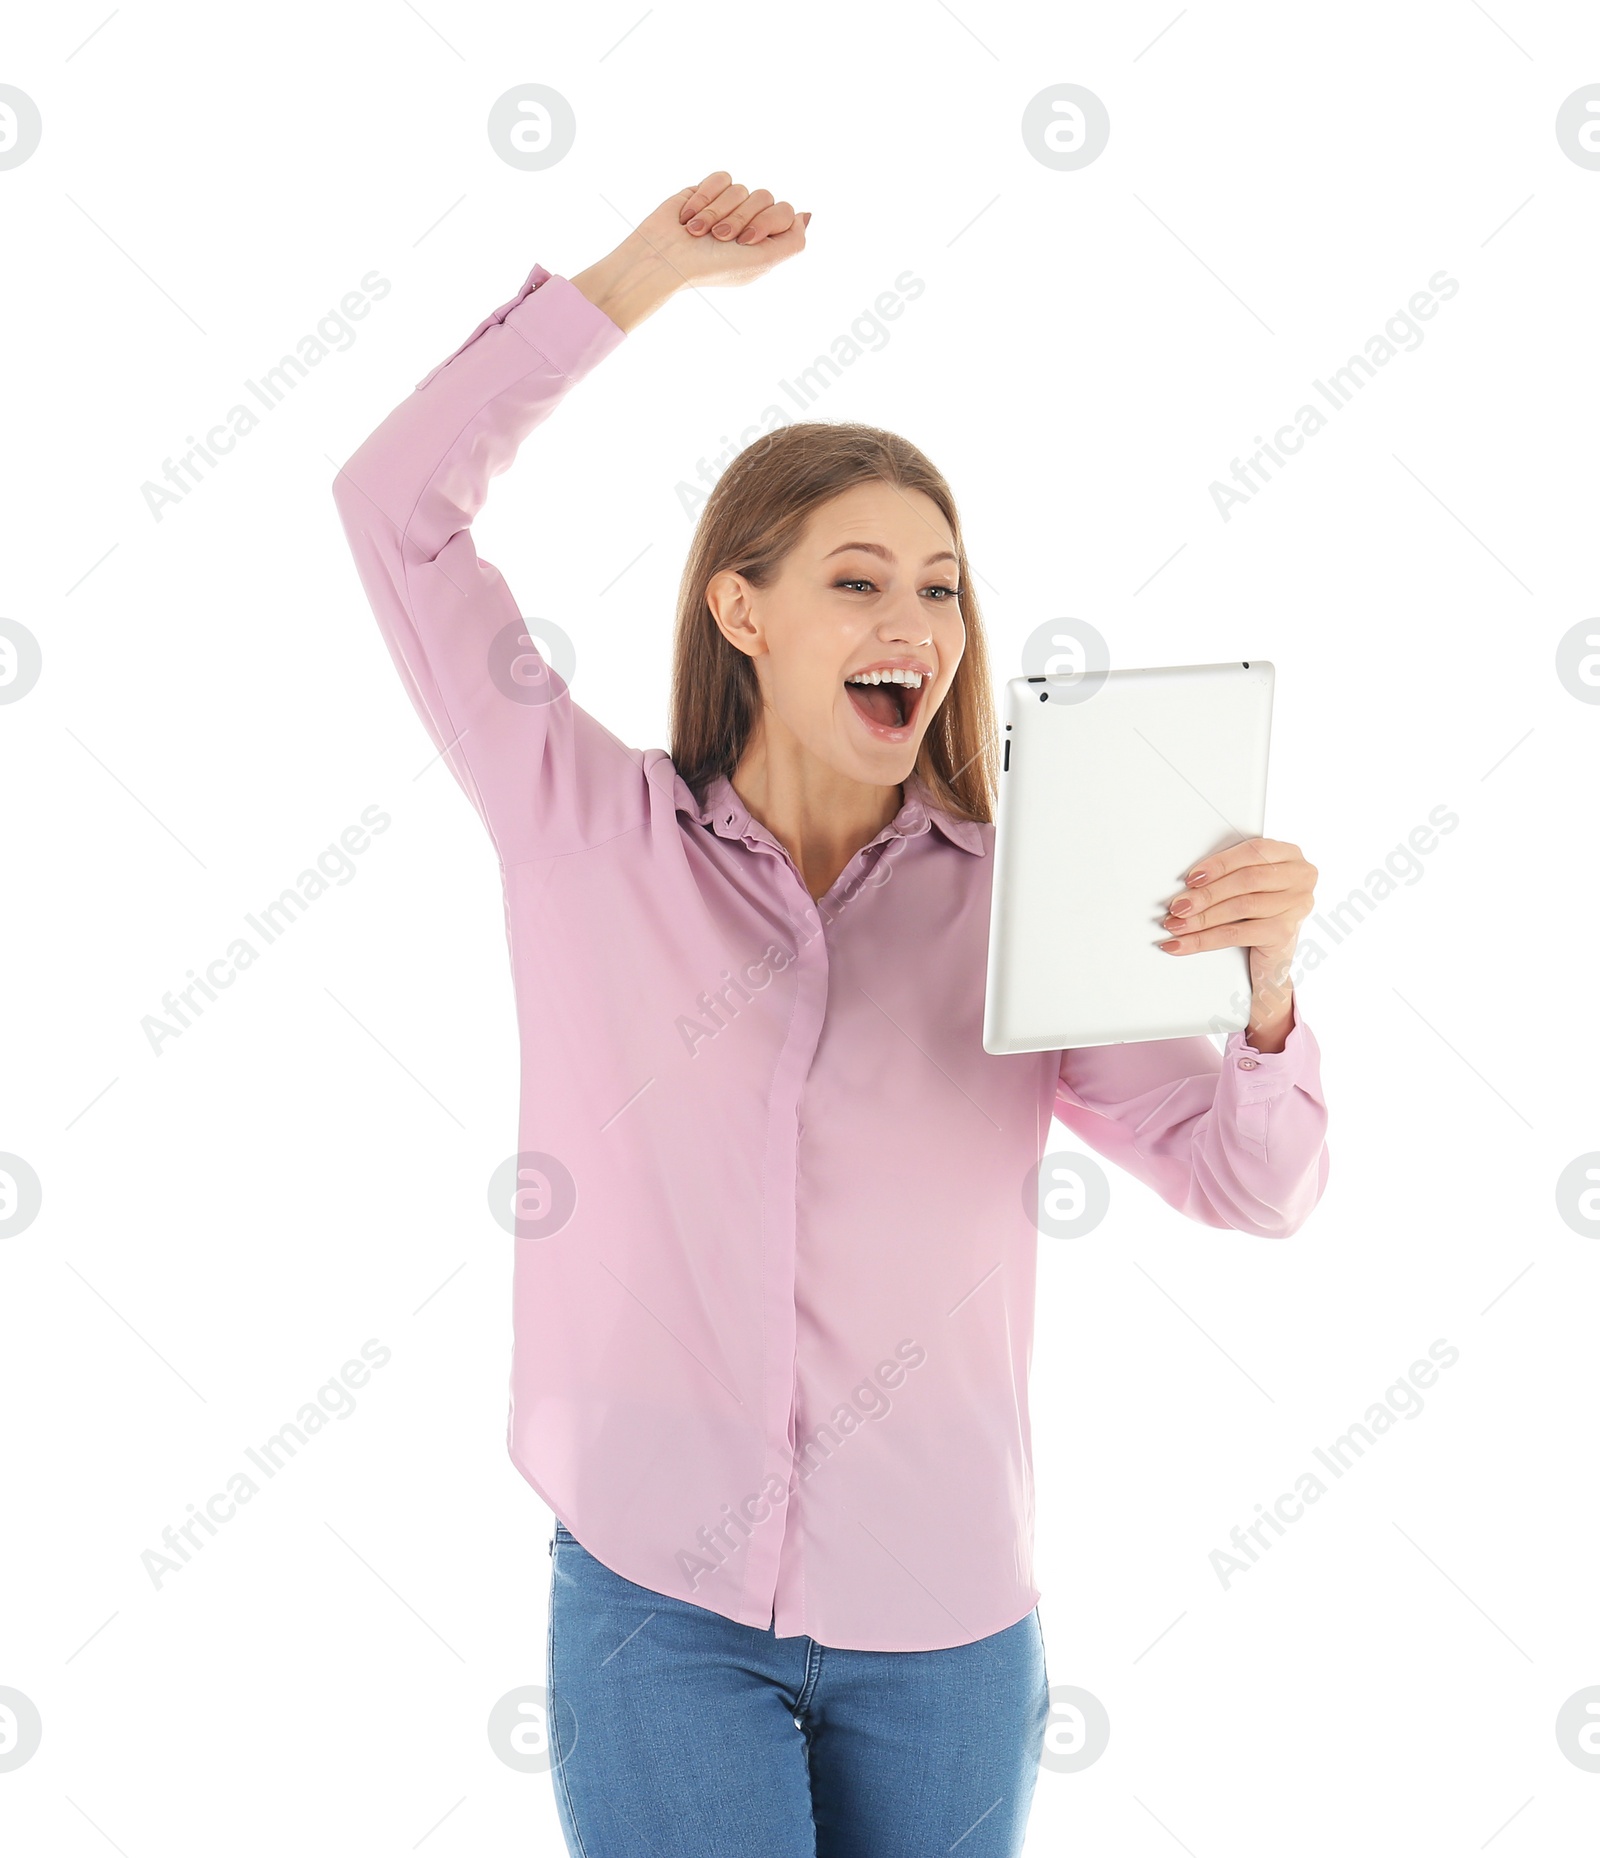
[877, 548]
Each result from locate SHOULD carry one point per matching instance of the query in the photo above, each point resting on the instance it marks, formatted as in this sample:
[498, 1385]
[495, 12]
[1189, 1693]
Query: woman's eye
[951, 592]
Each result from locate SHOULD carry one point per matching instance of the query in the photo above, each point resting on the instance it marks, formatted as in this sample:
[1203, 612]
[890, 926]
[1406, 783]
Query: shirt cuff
[573, 332]
[1267, 1073]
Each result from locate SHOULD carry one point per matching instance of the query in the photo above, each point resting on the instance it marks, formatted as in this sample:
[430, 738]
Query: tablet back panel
[1112, 792]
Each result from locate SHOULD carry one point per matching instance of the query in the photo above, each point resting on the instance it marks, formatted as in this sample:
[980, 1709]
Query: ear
[728, 595]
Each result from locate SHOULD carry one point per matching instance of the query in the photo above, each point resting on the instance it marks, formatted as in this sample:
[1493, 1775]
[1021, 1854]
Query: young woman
[775, 1228]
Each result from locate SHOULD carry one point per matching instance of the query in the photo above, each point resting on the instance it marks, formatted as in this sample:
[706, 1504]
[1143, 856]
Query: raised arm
[1235, 1139]
[544, 775]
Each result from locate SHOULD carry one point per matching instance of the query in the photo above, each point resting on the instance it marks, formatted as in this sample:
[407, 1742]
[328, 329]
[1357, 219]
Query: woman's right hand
[722, 233]
[743, 235]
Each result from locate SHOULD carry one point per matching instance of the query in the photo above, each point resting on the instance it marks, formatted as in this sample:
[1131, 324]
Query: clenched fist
[717, 233]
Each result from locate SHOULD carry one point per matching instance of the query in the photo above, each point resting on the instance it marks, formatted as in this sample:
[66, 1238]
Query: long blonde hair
[754, 516]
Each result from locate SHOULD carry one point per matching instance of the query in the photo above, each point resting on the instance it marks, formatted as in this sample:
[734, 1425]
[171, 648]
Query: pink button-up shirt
[773, 1276]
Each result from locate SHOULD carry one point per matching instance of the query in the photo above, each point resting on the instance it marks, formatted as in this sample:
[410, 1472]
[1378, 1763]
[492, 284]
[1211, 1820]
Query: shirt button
[1247, 1064]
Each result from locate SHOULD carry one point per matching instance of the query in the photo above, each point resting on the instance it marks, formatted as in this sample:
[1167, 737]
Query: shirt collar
[727, 815]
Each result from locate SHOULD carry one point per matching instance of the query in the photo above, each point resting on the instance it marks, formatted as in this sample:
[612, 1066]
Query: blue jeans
[676, 1733]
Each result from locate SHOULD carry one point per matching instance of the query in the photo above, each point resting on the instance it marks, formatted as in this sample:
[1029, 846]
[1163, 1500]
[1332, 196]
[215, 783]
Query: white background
[305, 1167]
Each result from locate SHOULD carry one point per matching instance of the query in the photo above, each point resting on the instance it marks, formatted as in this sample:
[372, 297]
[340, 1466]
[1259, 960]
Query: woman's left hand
[1254, 895]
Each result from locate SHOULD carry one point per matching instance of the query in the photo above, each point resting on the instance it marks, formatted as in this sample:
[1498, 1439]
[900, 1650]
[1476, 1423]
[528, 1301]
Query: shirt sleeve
[1235, 1138]
[544, 775]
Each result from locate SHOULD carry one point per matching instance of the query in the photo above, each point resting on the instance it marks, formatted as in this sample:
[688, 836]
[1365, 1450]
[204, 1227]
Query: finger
[732, 224]
[772, 222]
[1246, 907]
[1250, 877]
[769, 219]
[719, 208]
[702, 195]
[1226, 935]
[1247, 851]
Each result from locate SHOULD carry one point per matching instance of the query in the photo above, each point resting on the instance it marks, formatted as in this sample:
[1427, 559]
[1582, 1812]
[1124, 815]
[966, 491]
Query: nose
[911, 629]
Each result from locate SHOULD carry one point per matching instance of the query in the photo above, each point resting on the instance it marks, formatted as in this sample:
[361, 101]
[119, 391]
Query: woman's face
[871, 586]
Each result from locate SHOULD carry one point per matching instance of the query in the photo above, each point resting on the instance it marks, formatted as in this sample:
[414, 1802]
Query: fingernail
[1197, 877]
[1179, 908]
[747, 237]
[697, 225]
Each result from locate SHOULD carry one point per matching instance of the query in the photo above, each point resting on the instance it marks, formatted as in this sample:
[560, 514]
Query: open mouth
[888, 708]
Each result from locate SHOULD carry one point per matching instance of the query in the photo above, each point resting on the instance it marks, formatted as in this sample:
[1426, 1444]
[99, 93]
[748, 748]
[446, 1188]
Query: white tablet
[1114, 785]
